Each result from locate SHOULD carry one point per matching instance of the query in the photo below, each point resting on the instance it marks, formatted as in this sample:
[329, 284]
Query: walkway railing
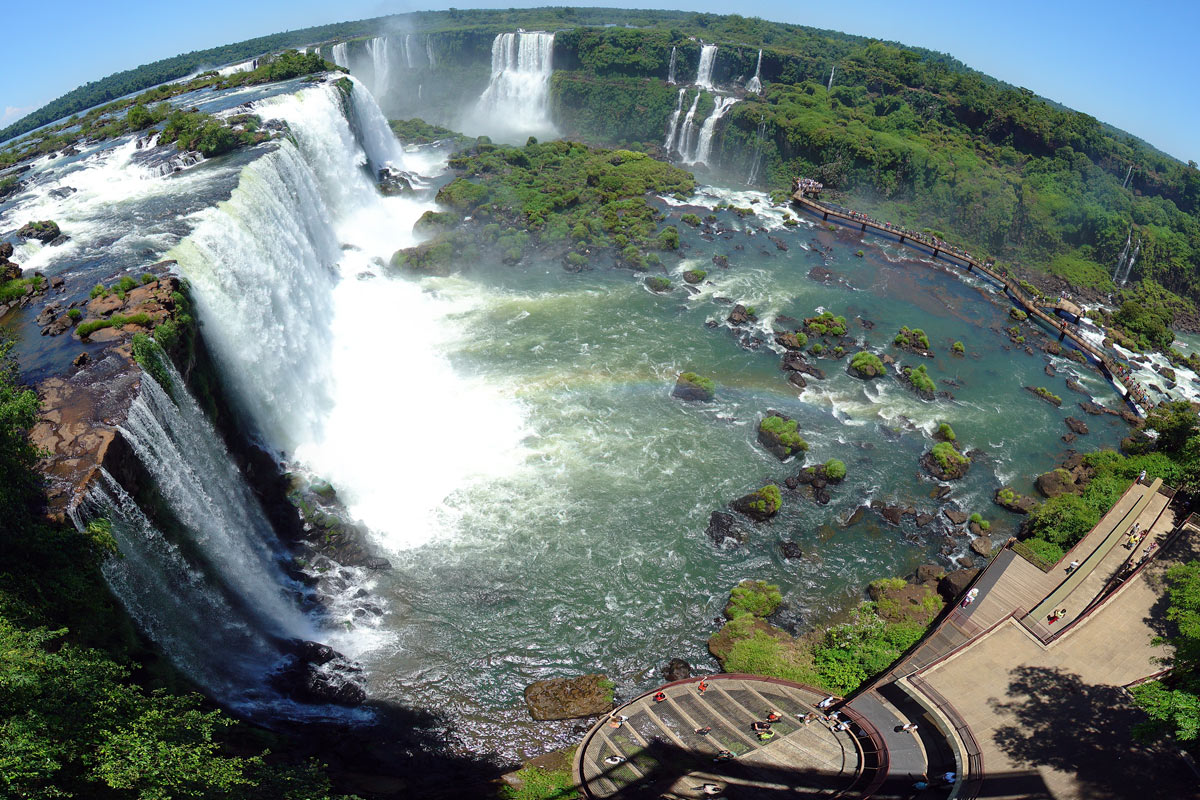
[972, 781]
[1135, 392]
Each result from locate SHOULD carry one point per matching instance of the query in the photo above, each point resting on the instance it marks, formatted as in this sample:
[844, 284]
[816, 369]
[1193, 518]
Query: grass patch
[785, 431]
[86, 329]
[835, 470]
[867, 364]
[753, 598]
[947, 455]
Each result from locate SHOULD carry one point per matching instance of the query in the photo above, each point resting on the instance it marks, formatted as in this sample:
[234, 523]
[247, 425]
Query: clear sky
[1134, 65]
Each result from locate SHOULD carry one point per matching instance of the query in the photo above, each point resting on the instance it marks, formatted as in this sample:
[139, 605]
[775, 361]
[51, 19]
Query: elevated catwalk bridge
[1132, 390]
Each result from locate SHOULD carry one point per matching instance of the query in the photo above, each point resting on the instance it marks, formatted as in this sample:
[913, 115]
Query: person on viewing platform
[1074, 565]
[660, 696]
[827, 702]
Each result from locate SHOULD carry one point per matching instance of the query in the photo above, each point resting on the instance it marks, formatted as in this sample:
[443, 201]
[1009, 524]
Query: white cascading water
[688, 132]
[213, 595]
[429, 52]
[703, 149]
[1116, 277]
[1128, 175]
[673, 123]
[352, 383]
[756, 160]
[829, 86]
[381, 67]
[410, 52]
[671, 68]
[708, 56]
[754, 85]
[516, 102]
[340, 56]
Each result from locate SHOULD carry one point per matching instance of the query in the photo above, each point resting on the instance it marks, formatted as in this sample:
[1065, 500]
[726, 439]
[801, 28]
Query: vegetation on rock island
[761, 504]
[913, 339]
[866, 365]
[563, 197]
[779, 435]
[918, 378]
[690, 386]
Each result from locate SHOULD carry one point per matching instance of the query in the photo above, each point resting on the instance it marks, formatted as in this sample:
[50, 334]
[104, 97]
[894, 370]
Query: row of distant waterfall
[690, 142]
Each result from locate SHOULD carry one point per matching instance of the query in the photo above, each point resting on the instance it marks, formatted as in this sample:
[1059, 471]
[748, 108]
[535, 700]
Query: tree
[1174, 702]
[1175, 423]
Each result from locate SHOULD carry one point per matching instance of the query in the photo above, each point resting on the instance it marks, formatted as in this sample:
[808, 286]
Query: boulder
[569, 698]
[893, 514]
[790, 550]
[6, 249]
[43, 231]
[927, 573]
[955, 517]
[955, 467]
[924, 519]
[1008, 499]
[739, 316]
[981, 545]
[312, 652]
[723, 526]
[955, 583]
[692, 387]
[777, 433]
[677, 670]
[81, 359]
[759, 505]
[337, 682]
[1077, 426]
[9, 272]
[1057, 482]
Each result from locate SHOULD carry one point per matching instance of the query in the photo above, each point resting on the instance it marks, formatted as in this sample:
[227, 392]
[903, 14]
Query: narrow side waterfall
[516, 102]
[322, 349]
[1124, 255]
[1137, 248]
[381, 68]
[829, 86]
[671, 69]
[754, 85]
[688, 132]
[673, 124]
[411, 53]
[340, 56]
[429, 52]
[703, 149]
[1128, 175]
[756, 160]
[210, 589]
[708, 55]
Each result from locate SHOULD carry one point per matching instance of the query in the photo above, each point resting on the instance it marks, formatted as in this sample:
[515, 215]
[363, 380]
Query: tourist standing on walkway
[1074, 565]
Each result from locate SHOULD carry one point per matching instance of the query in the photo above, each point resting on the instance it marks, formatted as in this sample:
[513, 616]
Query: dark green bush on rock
[760, 505]
[753, 598]
[944, 462]
[920, 382]
[694, 276]
[866, 365]
[778, 434]
[658, 284]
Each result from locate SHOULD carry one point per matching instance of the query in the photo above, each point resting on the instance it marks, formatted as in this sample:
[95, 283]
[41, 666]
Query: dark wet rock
[335, 681]
[312, 652]
[1044, 394]
[1069, 437]
[677, 670]
[1075, 386]
[955, 583]
[393, 181]
[739, 316]
[62, 238]
[797, 380]
[1050, 371]
[789, 341]
[772, 436]
[943, 492]
[955, 516]
[820, 275]
[790, 550]
[62, 191]
[1166, 372]
[954, 469]
[779, 243]
[1076, 426]
[723, 527]
[57, 282]
[81, 360]
[569, 698]
[925, 519]
[856, 517]
[9, 271]
[44, 231]
[1095, 409]
[1053, 348]
[795, 362]
[721, 261]
[893, 514]
[376, 563]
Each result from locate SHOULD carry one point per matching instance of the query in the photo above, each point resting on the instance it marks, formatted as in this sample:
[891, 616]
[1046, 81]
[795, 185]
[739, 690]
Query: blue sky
[1136, 66]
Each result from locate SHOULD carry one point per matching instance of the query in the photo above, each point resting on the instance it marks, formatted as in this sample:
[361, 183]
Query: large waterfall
[754, 85]
[708, 55]
[340, 56]
[319, 345]
[516, 102]
[209, 588]
[687, 133]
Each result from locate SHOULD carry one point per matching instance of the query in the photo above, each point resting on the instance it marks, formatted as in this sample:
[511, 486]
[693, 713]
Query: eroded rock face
[1057, 482]
[569, 698]
[677, 670]
[723, 527]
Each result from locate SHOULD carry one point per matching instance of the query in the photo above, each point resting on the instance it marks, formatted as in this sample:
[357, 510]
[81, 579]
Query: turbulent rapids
[532, 500]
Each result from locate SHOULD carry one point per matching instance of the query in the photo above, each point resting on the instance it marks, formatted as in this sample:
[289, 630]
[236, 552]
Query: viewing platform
[1133, 392]
[658, 751]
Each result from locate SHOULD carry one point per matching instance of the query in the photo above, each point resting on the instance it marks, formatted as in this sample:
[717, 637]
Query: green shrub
[867, 364]
[690, 219]
[1018, 314]
[115, 321]
[767, 500]
[958, 347]
[99, 290]
[658, 284]
[148, 278]
[945, 432]
[919, 378]
[127, 284]
[74, 314]
[835, 470]
[753, 598]
[785, 432]
[947, 455]
[695, 275]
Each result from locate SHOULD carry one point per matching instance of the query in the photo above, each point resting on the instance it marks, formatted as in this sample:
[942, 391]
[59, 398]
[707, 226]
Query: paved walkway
[658, 751]
[994, 670]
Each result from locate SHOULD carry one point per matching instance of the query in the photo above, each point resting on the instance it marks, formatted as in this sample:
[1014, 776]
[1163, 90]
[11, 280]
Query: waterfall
[829, 87]
[1137, 248]
[429, 52]
[211, 590]
[340, 57]
[754, 85]
[757, 159]
[1124, 254]
[380, 65]
[671, 69]
[516, 102]
[704, 143]
[410, 52]
[318, 346]
[708, 55]
[1128, 175]
[687, 134]
[673, 123]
